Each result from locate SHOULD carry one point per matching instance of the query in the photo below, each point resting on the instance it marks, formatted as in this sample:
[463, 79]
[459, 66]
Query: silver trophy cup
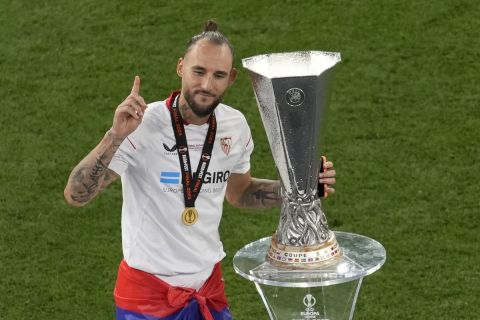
[292, 94]
[304, 271]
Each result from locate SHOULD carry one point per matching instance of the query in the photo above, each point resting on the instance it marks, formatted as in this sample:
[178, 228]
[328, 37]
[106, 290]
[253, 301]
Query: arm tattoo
[261, 194]
[87, 178]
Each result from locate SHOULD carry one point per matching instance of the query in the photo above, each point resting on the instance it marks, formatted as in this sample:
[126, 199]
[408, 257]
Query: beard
[201, 111]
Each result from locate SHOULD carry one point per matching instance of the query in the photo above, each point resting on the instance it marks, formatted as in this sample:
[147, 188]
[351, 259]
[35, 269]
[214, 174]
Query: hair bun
[210, 25]
[210, 33]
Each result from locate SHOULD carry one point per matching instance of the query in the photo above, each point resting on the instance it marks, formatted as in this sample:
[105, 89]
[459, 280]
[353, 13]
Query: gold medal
[189, 216]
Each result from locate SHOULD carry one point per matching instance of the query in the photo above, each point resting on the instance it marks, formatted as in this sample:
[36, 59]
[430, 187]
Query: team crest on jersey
[226, 144]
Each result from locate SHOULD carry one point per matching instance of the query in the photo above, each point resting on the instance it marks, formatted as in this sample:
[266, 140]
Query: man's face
[206, 72]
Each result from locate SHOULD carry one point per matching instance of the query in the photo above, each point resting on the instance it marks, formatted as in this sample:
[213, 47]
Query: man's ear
[180, 67]
[233, 76]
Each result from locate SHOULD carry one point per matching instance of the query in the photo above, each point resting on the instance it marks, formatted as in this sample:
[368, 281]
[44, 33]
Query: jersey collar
[170, 100]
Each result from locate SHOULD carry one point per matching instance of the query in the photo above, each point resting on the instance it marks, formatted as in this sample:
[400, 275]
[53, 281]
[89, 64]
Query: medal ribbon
[191, 185]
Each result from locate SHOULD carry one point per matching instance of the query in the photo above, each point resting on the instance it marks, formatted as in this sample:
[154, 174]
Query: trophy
[305, 270]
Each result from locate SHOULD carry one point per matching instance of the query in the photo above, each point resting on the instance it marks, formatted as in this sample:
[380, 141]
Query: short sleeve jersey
[154, 238]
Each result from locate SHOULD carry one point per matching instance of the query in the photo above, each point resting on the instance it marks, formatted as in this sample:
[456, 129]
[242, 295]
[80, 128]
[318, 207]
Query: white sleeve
[123, 157]
[243, 163]
[128, 153]
[131, 152]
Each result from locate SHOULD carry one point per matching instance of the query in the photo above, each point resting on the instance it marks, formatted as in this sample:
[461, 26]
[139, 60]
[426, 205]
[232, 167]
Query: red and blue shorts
[142, 296]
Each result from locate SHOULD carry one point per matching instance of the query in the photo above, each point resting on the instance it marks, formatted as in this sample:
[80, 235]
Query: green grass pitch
[403, 130]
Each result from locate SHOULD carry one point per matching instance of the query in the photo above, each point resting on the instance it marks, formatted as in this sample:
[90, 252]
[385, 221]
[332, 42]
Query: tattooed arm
[92, 175]
[244, 191]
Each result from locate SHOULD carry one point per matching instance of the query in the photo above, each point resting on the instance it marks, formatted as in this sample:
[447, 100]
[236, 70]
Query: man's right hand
[129, 113]
[92, 174]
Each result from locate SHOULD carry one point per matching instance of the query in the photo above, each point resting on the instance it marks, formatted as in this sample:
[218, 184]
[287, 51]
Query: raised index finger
[136, 85]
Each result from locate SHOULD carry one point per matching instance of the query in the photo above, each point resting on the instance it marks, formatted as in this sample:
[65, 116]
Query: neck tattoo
[183, 110]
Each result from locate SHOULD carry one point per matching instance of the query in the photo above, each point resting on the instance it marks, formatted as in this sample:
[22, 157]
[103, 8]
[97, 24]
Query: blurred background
[402, 130]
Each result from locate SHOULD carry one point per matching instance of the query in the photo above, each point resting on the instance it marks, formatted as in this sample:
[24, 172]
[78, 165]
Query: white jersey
[154, 238]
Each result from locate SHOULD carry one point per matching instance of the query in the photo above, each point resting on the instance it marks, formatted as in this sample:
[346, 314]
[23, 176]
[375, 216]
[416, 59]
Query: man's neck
[188, 115]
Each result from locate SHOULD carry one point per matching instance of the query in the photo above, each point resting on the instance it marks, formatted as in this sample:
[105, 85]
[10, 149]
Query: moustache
[204, 93]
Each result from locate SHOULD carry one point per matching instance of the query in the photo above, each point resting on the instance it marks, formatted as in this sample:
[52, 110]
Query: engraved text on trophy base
[304, 257]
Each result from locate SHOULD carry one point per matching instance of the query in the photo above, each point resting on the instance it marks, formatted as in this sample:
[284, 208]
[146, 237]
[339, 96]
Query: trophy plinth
[328, 292]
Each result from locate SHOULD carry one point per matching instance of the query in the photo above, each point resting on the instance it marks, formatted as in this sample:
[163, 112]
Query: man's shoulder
[157, 113]
[225, 112]
[157, 106]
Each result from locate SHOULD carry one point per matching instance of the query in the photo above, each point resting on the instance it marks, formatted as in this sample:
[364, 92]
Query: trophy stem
[302, 220]
[302, 239]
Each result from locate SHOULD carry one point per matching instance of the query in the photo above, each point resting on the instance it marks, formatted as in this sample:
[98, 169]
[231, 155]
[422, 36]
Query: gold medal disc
[189, 216]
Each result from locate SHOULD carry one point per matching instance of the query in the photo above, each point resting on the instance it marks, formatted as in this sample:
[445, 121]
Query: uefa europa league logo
[295, 97]
[309, 301]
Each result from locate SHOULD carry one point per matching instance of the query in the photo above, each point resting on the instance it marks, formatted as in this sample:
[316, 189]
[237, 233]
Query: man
[171, 213]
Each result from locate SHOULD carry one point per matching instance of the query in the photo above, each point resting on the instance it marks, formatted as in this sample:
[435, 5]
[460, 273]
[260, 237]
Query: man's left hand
[327, 177]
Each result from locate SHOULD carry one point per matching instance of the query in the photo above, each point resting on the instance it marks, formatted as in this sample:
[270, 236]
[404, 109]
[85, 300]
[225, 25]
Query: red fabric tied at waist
[144, 293]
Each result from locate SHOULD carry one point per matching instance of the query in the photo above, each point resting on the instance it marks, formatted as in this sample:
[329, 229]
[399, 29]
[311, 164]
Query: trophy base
[303, 257]
[329, 292]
